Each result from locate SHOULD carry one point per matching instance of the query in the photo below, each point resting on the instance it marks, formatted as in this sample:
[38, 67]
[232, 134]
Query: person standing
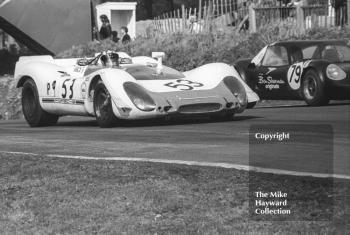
[106, 28]
[115, 36]
[125, 36]
[340, 12]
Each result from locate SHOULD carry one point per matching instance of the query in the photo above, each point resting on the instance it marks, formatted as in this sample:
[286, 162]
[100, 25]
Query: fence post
[179, 20]
[174, 22]
[166, 23]
[2, 39]
[200, 11]
[348, 7]
[300, 18]
[252, 18]
[183, 17]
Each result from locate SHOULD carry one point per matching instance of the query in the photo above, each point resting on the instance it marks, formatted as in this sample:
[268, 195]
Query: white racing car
[113, 86]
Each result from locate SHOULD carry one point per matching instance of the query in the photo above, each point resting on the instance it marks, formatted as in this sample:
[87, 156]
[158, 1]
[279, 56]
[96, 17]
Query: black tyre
[313, 90]
[31, 107]
[251, 105]
[103, 107]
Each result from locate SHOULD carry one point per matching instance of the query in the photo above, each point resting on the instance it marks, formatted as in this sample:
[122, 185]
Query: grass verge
[62, 196]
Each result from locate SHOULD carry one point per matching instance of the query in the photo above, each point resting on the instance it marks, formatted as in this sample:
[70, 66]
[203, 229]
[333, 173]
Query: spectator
[115, 36]
[95, 33]
[106, 28]
[340, 12]
[191, 21]
[125, 36]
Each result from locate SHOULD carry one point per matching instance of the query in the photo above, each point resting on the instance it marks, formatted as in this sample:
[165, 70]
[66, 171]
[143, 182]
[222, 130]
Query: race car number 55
[184, 85]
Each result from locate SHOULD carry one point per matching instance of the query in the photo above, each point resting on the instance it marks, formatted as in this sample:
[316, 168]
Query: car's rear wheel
[31, 107]
[313, 90]
[103, 107]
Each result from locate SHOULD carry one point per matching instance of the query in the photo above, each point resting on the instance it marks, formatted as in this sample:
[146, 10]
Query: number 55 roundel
[295, 73]
[184, 85]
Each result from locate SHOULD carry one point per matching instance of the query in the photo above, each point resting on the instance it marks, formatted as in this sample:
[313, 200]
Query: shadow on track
[301, 106]
[154, 122]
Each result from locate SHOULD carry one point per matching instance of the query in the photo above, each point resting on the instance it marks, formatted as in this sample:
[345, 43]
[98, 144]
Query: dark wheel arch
[95, 80]
[242, 70]
[251, 105]
[22, 80]
[103, 106]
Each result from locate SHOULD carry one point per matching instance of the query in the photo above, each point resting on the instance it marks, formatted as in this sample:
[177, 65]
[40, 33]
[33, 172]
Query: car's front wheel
[313, 90]
[103, 107]
[31, 107]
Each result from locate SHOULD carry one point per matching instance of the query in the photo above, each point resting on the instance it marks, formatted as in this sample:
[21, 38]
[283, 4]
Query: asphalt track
[197, 140]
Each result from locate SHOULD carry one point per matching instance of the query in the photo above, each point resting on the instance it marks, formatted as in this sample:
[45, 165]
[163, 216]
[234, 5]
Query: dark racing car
[315, 71]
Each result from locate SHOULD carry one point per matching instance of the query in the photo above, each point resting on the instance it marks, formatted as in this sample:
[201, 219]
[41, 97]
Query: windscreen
[150, 73]
[336, 53]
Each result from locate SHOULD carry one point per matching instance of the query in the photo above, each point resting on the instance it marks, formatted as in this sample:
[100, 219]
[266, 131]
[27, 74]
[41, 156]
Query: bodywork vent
[200, 108]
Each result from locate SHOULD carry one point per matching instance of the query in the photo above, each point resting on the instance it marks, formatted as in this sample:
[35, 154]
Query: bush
[187, 51]
[10, 98]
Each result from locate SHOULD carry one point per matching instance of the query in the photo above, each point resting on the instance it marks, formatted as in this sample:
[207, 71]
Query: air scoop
[159, 56]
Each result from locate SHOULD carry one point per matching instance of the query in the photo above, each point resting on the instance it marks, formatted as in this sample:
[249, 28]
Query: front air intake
[200, 108]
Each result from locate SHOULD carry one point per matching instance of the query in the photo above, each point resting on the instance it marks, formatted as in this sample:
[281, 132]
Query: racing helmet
[114, 57]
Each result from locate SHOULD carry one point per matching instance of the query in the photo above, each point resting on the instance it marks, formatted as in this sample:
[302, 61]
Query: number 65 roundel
[295, 73]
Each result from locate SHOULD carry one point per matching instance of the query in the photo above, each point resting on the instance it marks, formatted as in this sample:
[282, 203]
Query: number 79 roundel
[295, 73]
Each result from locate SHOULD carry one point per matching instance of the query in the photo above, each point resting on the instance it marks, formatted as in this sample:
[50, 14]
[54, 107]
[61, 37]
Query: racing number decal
[79, 69]
[53, 86]
[71, 89]
[64, 87]
[64, 94]
[294, 75]
[294, 78]
[184, 85]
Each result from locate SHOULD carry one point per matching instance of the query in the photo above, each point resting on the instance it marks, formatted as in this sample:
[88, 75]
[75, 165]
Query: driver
[114, 58]
[110, 59]
[105, 60]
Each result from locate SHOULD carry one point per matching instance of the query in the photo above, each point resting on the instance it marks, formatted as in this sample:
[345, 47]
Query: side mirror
[251, 66]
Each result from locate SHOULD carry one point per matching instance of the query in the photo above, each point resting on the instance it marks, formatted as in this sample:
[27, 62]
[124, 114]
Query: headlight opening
[139, 97]
[237, 89]
[334, 72]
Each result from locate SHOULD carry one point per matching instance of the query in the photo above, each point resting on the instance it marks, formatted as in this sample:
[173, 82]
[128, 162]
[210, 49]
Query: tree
[149, 8]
